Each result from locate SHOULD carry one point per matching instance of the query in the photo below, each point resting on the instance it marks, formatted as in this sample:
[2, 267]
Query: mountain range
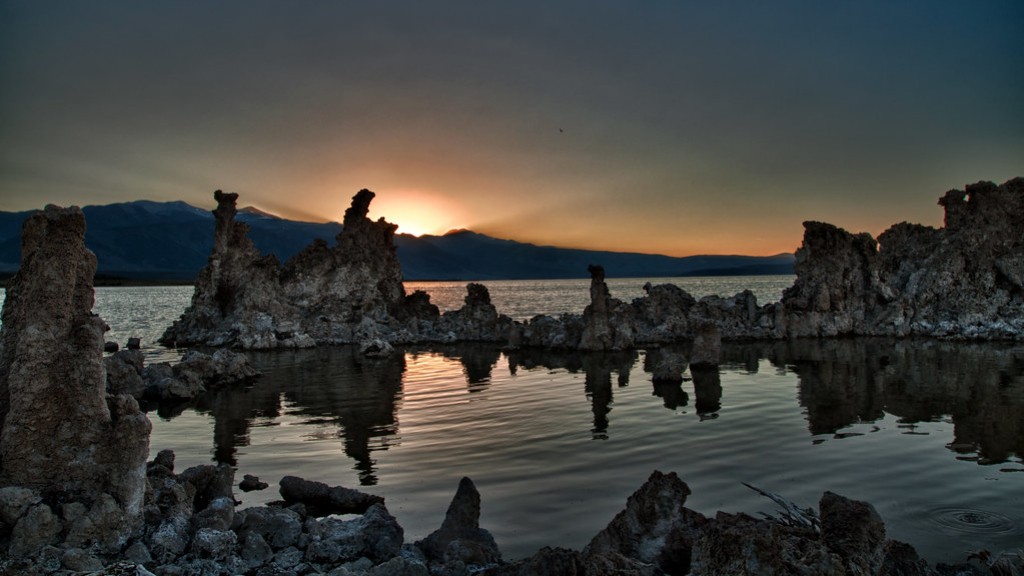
[171, 241]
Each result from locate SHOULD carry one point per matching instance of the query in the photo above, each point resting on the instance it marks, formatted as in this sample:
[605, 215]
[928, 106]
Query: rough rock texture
[196, 373]
[655, 528]
[607, 322]
[350, 293]
[460, 537]
[324, 498]
[963, 281]
[61, 431]
[477, 321]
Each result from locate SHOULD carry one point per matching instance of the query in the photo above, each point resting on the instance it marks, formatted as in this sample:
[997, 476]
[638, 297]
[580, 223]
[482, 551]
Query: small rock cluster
[189, 378]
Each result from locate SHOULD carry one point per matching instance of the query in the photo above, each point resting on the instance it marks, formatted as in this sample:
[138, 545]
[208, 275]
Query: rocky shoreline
[77, 495]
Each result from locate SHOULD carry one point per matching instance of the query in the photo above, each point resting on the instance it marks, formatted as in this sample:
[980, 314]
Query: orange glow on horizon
[417, 212]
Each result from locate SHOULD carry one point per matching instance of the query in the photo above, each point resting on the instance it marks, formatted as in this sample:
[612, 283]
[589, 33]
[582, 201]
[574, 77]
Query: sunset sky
[651, 126]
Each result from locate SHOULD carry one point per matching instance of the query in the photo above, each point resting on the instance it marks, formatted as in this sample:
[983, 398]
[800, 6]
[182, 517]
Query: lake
[931, 433]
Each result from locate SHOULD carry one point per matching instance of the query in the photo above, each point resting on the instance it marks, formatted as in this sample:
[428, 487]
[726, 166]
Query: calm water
[931, 433]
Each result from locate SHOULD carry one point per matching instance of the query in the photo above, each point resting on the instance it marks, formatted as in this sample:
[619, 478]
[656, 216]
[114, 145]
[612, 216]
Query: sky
[655, 126]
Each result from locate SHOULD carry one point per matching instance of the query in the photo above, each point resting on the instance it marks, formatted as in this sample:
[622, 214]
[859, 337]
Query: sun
[416, 212]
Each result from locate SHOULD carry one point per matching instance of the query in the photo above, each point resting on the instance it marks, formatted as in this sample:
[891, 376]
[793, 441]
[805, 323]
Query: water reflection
[979, 387]
[337, 394]
[335, 391]
[597, 367]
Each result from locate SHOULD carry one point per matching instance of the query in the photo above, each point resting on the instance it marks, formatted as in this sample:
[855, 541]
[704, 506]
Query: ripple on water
[974, 521]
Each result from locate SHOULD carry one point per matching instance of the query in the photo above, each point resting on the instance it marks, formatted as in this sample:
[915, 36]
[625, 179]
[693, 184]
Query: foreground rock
[72, 456]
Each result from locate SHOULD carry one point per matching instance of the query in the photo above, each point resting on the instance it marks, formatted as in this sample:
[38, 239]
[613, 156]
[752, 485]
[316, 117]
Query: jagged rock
[963, 281]
[79, 560]
[124, 373]
[279, 527]
[854, 531]
[375, 535]
[110, 346]
[655, 527]
[254, 550]
[137, 553]
[663, 314]
[250, 483]
[960, 281]
[323, 499]
[477, 321]
[216, 544]
[218, 515]
[163, 459]
[210, 483]
[61, 431]
[460, 537]
[399, 566]
[742, 545]
[608, 323]
[343, 294]
[223, 367]
[545, 331]
[134, 343]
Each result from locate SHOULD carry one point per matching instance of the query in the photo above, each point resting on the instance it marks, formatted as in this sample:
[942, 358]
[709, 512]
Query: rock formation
[72, 456]
[346, 294]
[196, 373]
[964, 281]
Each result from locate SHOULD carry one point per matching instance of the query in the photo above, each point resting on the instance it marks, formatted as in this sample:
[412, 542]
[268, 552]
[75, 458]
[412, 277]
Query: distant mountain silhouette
[167, 241]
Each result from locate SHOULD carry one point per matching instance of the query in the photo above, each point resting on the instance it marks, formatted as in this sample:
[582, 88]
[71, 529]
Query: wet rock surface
[196, 373]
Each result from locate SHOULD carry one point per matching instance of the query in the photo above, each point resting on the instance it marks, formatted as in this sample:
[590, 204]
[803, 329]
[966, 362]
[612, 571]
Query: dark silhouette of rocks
[607, 322]
[72, 456]
[964, 281]
[350, 293]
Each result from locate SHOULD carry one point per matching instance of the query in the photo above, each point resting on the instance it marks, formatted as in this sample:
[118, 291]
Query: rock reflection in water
[597, 368]
[980, 387]
[840, 383]
[324, 387]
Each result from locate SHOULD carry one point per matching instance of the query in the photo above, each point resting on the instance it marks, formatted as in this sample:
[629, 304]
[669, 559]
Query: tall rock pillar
[60, 432]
